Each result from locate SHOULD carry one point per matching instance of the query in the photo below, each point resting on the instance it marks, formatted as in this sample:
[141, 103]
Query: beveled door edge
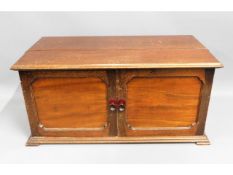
[161, 128]
[42, 127]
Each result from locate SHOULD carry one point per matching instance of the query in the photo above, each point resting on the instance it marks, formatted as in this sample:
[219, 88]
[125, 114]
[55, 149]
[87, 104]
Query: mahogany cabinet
[131, 89]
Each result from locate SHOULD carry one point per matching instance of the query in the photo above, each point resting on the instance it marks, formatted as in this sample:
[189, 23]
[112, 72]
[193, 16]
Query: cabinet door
[161, 101]
[69, 103]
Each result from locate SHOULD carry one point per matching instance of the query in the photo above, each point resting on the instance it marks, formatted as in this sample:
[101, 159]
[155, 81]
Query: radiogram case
[117, 89]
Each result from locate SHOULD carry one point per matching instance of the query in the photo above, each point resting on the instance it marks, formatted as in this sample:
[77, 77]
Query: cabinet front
[72, 103]
[157, 102]
[161, 102]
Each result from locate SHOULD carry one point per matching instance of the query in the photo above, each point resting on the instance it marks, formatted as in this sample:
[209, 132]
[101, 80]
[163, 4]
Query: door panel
[161, 102]
[72, 104]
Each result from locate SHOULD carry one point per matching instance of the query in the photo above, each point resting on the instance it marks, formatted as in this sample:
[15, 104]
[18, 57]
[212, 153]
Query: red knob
[121, 105]
[112, 104]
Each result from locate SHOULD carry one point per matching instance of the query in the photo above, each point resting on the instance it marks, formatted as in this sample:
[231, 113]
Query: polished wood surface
[116, 53]
[117, 42]
[71, 102]
[163, 102]
[67, 103]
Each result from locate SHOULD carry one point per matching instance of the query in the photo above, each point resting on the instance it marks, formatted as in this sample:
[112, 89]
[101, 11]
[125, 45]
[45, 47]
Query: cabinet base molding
[199, 140]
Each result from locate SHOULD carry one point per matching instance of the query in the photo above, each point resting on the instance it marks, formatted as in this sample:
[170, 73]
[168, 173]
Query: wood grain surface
[163, 102]
[67, 103]
[71, 102]
[116, 53]
[117, 42]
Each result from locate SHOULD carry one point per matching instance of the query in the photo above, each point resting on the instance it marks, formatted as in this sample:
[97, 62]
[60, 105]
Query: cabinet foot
[31, 142]
[204, 141]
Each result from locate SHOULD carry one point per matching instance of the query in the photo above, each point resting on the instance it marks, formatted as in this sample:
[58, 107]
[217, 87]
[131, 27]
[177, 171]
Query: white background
[19, 30]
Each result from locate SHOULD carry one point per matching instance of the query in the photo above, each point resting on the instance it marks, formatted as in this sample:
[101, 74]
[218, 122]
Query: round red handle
[113, 105]
[121, 105]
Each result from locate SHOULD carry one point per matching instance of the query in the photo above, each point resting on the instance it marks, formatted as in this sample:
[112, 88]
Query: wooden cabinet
[117, 89]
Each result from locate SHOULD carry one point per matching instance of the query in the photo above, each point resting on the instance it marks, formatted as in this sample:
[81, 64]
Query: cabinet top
[116, 52]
